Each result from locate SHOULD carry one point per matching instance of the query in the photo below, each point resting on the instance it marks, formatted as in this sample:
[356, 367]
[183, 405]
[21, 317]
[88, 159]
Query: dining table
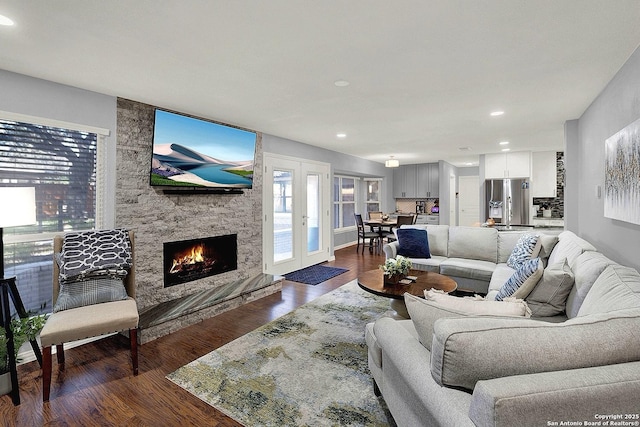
[381, 225]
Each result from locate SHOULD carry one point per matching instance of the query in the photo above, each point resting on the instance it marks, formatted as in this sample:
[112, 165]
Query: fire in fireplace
[194, 259]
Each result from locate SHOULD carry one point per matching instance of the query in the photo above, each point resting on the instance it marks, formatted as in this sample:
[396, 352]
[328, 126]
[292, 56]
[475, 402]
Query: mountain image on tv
[182, 165]
[207, 155]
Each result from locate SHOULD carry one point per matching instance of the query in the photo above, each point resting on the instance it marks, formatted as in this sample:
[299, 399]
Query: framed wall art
[622, 175]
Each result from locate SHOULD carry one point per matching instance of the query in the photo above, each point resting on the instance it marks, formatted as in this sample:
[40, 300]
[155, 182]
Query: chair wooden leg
[133, 342]
[46, 373]
[60, 356]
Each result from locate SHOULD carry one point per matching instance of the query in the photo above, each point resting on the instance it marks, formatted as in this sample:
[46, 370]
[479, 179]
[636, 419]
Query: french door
[296, 201]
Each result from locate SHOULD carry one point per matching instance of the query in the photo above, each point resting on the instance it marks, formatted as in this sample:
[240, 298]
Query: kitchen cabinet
[416, 181]
[405, 180]
[428, 219]
[507, 165]
[428, 181]
[544, 177]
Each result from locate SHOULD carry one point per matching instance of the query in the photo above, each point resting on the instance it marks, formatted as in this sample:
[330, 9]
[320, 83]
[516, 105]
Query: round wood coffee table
[372, 281]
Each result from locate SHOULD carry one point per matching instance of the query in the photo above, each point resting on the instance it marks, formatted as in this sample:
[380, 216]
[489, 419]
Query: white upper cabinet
[507, 165]
[544, 182]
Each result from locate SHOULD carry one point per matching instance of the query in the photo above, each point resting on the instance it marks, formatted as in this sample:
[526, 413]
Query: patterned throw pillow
[95, 253]
[527, 247]
[91, 291]
[522, 282]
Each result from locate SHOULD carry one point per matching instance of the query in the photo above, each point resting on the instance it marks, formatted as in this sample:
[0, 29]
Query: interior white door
[296, 232]
[468, 200]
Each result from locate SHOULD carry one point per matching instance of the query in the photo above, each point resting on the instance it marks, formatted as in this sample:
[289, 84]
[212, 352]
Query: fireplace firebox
[194, 259]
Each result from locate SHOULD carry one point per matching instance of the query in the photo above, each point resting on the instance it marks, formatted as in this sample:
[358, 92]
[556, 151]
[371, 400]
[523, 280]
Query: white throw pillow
[438, 305]
[478, 305]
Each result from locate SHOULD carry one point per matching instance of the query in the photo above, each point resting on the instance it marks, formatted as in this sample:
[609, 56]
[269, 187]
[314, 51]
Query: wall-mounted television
[195, 153]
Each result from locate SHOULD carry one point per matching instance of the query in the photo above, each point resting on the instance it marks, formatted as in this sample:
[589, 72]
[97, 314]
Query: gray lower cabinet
[428, 219]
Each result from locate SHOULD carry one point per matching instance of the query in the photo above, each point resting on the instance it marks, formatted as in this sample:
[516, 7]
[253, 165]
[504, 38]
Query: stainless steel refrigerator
[508, 201]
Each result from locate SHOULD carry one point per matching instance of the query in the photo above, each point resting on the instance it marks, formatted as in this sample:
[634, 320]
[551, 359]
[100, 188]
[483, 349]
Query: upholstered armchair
[93, 293]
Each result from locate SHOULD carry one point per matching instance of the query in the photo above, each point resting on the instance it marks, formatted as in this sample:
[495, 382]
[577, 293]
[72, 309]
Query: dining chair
[84, 318]
[363, 234]
[375, 215]
[401, 220]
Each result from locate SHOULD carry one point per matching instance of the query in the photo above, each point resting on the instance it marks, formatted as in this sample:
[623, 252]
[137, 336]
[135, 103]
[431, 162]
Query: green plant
[23, 330]
[398, 265]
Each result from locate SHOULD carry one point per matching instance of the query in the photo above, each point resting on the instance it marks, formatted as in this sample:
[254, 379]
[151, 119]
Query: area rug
[314, 274]
[306, 368]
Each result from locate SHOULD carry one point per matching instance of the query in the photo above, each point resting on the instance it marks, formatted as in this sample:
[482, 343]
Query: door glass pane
[282, 215]
[313, 213]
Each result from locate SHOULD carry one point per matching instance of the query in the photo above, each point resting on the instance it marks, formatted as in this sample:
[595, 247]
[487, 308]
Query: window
[373, 195]
[344, 201]
[61, 164]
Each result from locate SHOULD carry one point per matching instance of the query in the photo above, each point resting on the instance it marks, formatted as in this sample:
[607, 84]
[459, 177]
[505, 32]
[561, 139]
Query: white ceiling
[424, 75]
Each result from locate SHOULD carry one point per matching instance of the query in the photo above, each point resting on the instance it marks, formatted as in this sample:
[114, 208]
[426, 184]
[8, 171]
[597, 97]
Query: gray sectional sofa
[584, 365]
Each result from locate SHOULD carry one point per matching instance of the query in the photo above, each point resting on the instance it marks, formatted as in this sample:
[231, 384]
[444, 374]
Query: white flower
[397, 265]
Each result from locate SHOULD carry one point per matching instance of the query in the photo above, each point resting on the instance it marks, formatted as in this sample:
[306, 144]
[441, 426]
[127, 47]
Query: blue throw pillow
[413, 243]
[523, 280]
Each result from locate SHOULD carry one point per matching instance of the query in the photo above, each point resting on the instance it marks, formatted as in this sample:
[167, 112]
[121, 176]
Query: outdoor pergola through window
[61, 165]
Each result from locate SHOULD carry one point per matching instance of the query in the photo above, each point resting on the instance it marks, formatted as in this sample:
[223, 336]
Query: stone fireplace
[158, 217]
[188, 260]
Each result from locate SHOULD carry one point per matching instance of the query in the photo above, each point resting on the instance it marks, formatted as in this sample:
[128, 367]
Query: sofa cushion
[569, 246]
[470, 349]
[526, 248]
[586, 268]
[469, 268]
[476, 243]
[617, 288]
[428, 264]
[547, 243]
[413, 243]
[522, 281]
[374, 350]
[424, 313]
[500, 275]
[549, 296]
[437, 305]
[438, 236]
[506, 242]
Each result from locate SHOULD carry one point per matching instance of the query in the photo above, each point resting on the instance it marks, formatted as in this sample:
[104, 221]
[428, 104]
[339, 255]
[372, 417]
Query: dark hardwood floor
[98, 388]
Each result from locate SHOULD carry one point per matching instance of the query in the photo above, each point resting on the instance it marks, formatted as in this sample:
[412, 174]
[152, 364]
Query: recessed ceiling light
[341, 83]
[506, 149]
[464, 148]
[468, 164]
[341, 135]
[497, 113]
[504, 143]
[5, 21]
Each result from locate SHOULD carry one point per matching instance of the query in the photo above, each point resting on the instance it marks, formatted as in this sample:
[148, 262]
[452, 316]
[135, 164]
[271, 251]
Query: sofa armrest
[571, 395]
[390, 249]
[467, 350]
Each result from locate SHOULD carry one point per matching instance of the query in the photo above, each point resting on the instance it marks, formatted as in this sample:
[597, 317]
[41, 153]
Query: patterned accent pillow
[528, 247]
[522, 282]
[95, 253]
[91, 291]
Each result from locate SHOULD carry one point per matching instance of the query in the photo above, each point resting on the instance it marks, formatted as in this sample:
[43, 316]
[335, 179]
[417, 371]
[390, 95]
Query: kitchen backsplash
[555, 203]
[409, 205]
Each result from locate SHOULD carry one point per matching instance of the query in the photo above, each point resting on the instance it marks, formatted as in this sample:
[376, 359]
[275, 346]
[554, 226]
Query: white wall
[616, 107]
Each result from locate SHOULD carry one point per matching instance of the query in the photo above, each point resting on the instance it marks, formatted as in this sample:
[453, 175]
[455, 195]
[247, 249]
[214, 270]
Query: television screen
[190, 152]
